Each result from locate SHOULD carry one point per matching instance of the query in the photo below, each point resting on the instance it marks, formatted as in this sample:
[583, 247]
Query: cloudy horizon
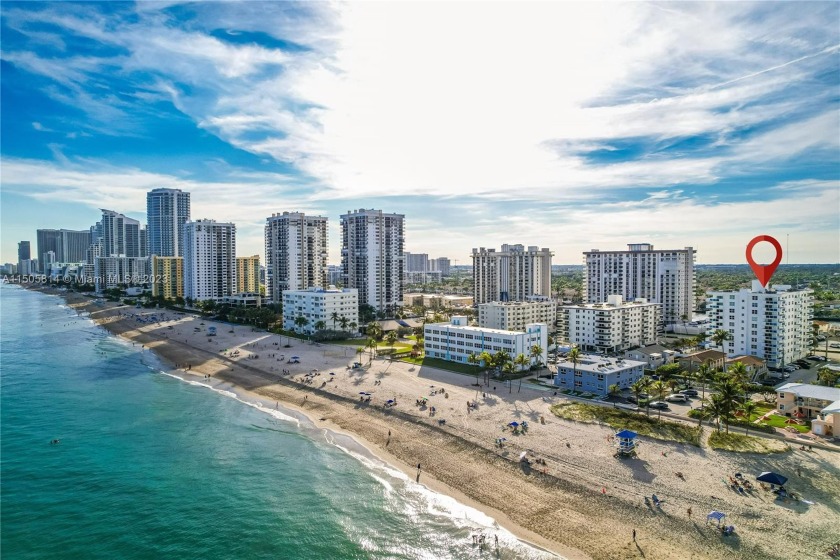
[572, 126]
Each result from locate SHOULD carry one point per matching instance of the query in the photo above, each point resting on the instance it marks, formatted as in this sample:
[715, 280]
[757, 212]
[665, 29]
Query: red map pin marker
[764, 272]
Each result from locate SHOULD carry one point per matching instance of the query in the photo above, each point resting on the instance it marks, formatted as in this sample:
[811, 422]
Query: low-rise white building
[456, 341]
[111, 272]
[595, 374]
[436, 301]
[612, 326]
[318, 304]
[773, 324]
[514, 315]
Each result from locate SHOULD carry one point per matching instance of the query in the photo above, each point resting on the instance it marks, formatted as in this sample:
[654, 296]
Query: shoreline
[372, 450]
[569, 511]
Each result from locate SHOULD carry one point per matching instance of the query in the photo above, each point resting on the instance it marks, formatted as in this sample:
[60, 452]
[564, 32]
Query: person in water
[53, 442]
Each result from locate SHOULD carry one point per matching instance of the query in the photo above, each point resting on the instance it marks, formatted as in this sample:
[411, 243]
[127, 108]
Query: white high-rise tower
[659, 276]
[372, 245]
[295, 253]
[209, 260]
[167, 210]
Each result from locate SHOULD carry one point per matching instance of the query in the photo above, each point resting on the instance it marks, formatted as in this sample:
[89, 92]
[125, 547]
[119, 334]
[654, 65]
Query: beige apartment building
[167, 277]
[248, 275]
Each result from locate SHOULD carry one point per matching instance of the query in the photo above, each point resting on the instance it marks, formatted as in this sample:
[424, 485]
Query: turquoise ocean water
[152, 466]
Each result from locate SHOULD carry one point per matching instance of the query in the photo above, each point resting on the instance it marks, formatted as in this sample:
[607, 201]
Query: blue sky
[565, 125]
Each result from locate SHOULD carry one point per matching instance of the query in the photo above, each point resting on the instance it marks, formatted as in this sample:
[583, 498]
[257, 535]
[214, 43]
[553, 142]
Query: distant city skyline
[590, 126]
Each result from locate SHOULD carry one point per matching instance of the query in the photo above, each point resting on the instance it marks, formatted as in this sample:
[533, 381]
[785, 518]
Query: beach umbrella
[514, 424]
[772, 478]
[362, 393]
[522, 455]
[389, 401]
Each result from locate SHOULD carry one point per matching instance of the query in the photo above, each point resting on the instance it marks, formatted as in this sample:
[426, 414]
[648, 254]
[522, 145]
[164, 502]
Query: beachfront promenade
[555, 503]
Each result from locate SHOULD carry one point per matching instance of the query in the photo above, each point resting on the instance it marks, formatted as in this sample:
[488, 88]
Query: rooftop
[652, 349]
[600, 364]
[704, 355]
[811, 391]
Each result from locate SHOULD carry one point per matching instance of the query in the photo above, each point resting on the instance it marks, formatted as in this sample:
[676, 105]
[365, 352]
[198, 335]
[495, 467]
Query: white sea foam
[259, 406]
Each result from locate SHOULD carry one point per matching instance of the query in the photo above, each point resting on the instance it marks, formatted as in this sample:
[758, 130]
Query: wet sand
[586, 503]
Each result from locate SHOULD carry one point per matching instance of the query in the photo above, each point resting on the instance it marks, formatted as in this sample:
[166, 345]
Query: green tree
[728, 394]
[391, 338]
[521, 360]
[738, 372]
[320, 325]
[719, 337]
[536, 353]
[372, 345]
[613, 391]
[660, 389]
[574, 357]
[827, 376]
[641, 387]
[335, 318]
[301, 322]
[748, 408]
[343, 321]
[374, 330]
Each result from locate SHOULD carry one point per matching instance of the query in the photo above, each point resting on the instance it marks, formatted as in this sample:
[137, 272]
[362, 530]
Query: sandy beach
[582, 503]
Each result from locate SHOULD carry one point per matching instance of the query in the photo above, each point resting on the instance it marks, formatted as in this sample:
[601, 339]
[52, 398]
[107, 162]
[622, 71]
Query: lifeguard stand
[626, 443]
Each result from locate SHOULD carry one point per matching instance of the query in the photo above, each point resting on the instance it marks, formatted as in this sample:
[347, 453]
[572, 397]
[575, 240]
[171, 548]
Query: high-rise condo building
[167, 210]
[372, 245]
[248, 275]
[611, 326]
[295, 253]
[120, 235]
[24, 251]
[773, 324]
[658, 276]
[67, 246]
[440, 264]
[167, 275]
[24, 254]
[209, 260]
[512, 274]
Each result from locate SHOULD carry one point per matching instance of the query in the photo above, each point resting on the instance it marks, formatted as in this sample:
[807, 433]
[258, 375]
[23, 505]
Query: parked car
[815, 358]
[834, 345]
[690, 392]
[660, 405]
[802, 363]
[676, 397]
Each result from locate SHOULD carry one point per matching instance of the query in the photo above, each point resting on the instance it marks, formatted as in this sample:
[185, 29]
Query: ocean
[151, 466]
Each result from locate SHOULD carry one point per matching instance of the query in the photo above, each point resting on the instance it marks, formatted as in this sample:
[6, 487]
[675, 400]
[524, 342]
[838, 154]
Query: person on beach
[634, 535]
[689, 512]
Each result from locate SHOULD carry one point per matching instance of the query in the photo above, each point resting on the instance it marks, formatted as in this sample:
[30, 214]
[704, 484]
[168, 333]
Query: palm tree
[715, 408]
[343, 322]
[353, 326]
[660, 389]
[301, 321]
[335, 318]
[374, 330]
[391, 338]
[640, 387]
[320, 325]
[719, 337]
[536, 352]
[614, 390]
[704, 375]
[738, 371]
[748, 408]
[728, 393]
[360, 350]
[521, 360]
[574, 357]
[372, 344]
